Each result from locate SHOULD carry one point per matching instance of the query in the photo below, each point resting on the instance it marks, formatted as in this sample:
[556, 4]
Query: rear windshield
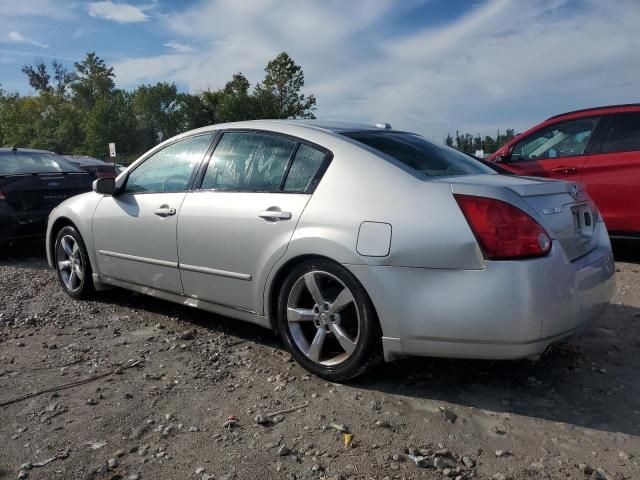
[427, 158]
[16, 163]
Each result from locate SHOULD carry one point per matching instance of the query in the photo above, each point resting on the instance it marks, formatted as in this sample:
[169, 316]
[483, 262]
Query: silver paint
[434, 292]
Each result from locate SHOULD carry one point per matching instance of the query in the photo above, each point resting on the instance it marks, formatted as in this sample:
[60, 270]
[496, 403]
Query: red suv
[599, 147]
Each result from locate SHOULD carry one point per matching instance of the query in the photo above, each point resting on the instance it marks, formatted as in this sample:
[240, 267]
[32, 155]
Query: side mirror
[104, 186]
[504, 157]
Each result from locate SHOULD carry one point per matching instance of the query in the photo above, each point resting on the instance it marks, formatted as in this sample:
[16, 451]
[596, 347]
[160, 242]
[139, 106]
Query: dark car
[599, 147]
[32, 183]
[98, 168]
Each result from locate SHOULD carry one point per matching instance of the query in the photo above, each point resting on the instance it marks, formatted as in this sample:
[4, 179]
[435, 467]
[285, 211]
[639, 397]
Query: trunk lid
[563, 208]
[42, 190]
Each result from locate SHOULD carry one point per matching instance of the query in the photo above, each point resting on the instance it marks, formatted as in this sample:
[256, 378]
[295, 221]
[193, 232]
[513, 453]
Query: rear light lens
[2, 197]
[503, 231]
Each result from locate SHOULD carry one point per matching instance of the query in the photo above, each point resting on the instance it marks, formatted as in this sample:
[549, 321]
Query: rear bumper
[17, 225]
[508, 310]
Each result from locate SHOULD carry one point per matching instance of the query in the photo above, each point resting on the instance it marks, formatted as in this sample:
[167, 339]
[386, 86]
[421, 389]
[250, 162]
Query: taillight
[503, 231]
[2, 197]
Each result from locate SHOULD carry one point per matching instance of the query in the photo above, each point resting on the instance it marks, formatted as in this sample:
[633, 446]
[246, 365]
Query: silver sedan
[356, 243]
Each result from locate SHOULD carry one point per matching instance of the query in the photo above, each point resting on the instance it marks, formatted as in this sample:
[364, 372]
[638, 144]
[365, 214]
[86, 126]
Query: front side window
[566, 139]
[427, 158]
[303, 169]
[622, 134]
[248, 161]
[170, 169]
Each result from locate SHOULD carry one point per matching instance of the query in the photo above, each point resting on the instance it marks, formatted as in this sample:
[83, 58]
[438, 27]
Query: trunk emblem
[552, 210]
[573, 190]
[53, 184]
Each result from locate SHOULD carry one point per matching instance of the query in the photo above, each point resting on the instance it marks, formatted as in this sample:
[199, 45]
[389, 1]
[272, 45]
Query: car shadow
[590, 381]
[626, 250]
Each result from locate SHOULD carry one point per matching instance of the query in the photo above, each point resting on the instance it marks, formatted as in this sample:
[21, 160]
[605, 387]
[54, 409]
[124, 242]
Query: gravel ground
[157, 384]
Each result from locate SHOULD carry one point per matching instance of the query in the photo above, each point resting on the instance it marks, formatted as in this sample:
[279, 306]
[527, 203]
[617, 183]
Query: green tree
[156, 109]
[279, 94]
[93, 79]
[111, 119]
[38, 76]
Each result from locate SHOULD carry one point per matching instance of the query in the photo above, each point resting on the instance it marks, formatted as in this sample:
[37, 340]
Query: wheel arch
[281, 274]
[55, 228]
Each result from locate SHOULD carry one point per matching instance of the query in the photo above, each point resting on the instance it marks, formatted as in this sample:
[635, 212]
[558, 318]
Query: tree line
[81, 111]
[471, 143]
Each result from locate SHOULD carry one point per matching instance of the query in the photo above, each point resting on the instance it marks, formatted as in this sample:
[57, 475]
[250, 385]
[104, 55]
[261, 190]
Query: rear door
[612, 172]
[135, 230]
[234, 228]
[556, 151]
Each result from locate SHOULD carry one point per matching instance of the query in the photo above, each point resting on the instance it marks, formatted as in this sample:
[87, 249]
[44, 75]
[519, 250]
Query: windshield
[427, 158]
[16, 163]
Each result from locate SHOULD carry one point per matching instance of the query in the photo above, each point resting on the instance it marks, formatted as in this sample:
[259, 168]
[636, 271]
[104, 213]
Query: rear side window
[427, 158]
[303, 169]
[170, 169]
[622, 133]
[17, 163]
[247, 161]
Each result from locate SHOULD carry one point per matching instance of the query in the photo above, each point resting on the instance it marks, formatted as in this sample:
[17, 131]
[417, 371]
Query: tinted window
[421, 155]
[248, 162]
[303, 169]
[622, 133]
[21, 162]
[170, 169]
[566, 139]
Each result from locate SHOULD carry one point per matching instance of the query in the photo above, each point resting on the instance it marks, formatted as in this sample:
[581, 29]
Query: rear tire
[328, 322]
[72, 264]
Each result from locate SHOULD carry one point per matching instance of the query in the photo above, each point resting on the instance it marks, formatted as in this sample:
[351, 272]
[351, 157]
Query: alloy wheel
[70, 264]
[323, 318]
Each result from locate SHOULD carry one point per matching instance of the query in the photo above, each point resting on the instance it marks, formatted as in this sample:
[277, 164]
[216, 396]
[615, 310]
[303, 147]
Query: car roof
[26, 150]
[631, 107]
[324, 125]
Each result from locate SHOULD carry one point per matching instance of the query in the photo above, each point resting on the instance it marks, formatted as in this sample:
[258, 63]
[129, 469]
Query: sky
[429, 66]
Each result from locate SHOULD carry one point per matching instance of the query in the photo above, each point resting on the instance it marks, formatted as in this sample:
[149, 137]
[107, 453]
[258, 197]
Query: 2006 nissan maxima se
[354, 242]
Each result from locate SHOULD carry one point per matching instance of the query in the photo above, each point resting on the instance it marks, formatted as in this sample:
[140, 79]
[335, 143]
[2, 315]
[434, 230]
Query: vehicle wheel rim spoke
[345, 342]
[312, 284]
[67, 245]
[72, 279]
[315, 350]
[300, 314]
[64, 265]
[343, 299]
[79, 274]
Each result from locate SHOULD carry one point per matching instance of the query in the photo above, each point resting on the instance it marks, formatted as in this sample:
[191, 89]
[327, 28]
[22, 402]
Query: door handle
[565, 170]
[274, 215]
[165, 211]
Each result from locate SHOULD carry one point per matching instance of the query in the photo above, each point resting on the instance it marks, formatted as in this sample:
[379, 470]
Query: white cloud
[178, 47]
[118, 12]
[505, 63]
[17, 37]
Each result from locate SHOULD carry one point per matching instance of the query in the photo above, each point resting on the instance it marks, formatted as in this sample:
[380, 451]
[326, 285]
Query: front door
[135, 230]
[557, 151]
[238, 224]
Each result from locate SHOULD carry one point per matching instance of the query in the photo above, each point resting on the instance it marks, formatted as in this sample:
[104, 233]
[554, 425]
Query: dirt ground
[157, 384]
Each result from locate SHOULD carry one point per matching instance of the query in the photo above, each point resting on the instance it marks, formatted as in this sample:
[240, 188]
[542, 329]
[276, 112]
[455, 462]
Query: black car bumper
[18, 225]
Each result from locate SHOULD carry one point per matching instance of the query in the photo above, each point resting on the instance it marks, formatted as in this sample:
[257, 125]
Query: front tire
[72, 264]
[328, 322]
